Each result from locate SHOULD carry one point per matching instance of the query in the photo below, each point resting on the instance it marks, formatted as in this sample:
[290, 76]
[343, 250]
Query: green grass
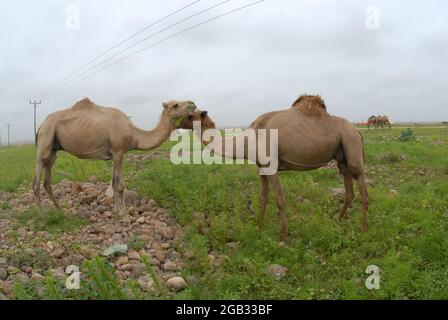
[407, 239]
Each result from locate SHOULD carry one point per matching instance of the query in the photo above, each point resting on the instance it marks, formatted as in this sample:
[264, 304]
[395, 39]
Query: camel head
[178, 111]
[202, 117]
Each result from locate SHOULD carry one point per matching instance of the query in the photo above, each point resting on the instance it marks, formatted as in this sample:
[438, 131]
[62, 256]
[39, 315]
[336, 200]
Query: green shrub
[406, 135]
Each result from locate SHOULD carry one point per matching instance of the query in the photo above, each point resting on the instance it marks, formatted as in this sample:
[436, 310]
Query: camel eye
[175, 106]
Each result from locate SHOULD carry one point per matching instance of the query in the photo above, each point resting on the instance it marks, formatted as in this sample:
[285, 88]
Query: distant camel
[372, 121]
[308, 138]
[378, 121]
[89, 131]
[384, 121]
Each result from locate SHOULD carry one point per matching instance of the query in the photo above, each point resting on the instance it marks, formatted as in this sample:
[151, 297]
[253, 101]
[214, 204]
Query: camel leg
[264, 198]
[276, 186]
[364, 201]
[348, 184]
[118, 186]
[47, 181]
[36, 185]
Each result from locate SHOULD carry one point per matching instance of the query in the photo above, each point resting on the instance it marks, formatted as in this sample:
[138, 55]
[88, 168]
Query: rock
[126, 267]
[146, 283]
[3, 261]
[37, 276]
[169, 266]
[109, 229]
[138, 270]
[154, 262]
[109, 192]
[133, 255]
[107, 214]
[176, 283]
[115, 250]
[141, 220]
[58, 253]
[277, 271]
[107, 201]
[22, 232]
[192, 280]
[131, 197]
[403, 157]
[122, 260]
[93, 179]
[392, 193]
[336, 192]
[160, 256]
[3, 274]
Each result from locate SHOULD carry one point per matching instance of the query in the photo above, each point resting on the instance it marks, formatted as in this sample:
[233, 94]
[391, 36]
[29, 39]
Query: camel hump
[84, 103]
[310, 105]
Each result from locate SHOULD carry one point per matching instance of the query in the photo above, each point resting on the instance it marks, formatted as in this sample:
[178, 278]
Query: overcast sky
[247, 63]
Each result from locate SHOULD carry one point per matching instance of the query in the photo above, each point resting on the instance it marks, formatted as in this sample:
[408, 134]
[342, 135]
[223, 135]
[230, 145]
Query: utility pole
[35, 103]
[0, 138]
[8, 125]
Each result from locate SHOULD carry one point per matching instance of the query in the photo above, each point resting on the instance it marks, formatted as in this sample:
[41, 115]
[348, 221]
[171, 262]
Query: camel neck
[146, 140]
[220, 147]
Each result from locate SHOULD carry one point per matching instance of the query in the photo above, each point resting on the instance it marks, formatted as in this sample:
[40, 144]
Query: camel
[384, 121]
[379, 121]
[89, 131]
[372, 121]
[308, 138]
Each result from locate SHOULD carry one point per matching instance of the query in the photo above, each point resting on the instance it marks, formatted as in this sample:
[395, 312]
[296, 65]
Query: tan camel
[89, 131]
[308, 138]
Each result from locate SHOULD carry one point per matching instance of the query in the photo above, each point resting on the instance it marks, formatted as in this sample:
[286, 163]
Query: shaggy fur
[310, 105]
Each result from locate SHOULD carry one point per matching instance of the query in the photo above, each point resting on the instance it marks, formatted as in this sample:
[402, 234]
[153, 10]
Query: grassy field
[407, 240]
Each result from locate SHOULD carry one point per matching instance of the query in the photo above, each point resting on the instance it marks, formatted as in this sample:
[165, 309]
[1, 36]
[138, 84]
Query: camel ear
[165, 105]
[203, 114]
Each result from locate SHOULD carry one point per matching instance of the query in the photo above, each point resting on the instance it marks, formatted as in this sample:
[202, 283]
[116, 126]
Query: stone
[3, 261]
[336, 192]
[277, 271]
[93, 179]
[138, 270]
[131, 196]
[107, 214]
[122, 260]
[3, 273]
[115, 250]
[392, 193]
[126, 267]
[109, 192]
[176, 283]
[37, 276]
[141, 220]
[109, 229]
[169, 266]
[146, 283]
[133, 255]
[58, 253]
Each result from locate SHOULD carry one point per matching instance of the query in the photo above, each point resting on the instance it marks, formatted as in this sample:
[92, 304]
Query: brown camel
[384, 121]
[308, 138]
[372, 121]
[89, 131]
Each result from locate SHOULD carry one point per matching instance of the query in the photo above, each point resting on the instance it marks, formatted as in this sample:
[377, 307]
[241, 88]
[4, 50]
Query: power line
[116, 46]
[155, 44]
[140, 41]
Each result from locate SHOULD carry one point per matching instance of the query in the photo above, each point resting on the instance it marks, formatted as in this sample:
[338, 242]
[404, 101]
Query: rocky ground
[145, 231]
